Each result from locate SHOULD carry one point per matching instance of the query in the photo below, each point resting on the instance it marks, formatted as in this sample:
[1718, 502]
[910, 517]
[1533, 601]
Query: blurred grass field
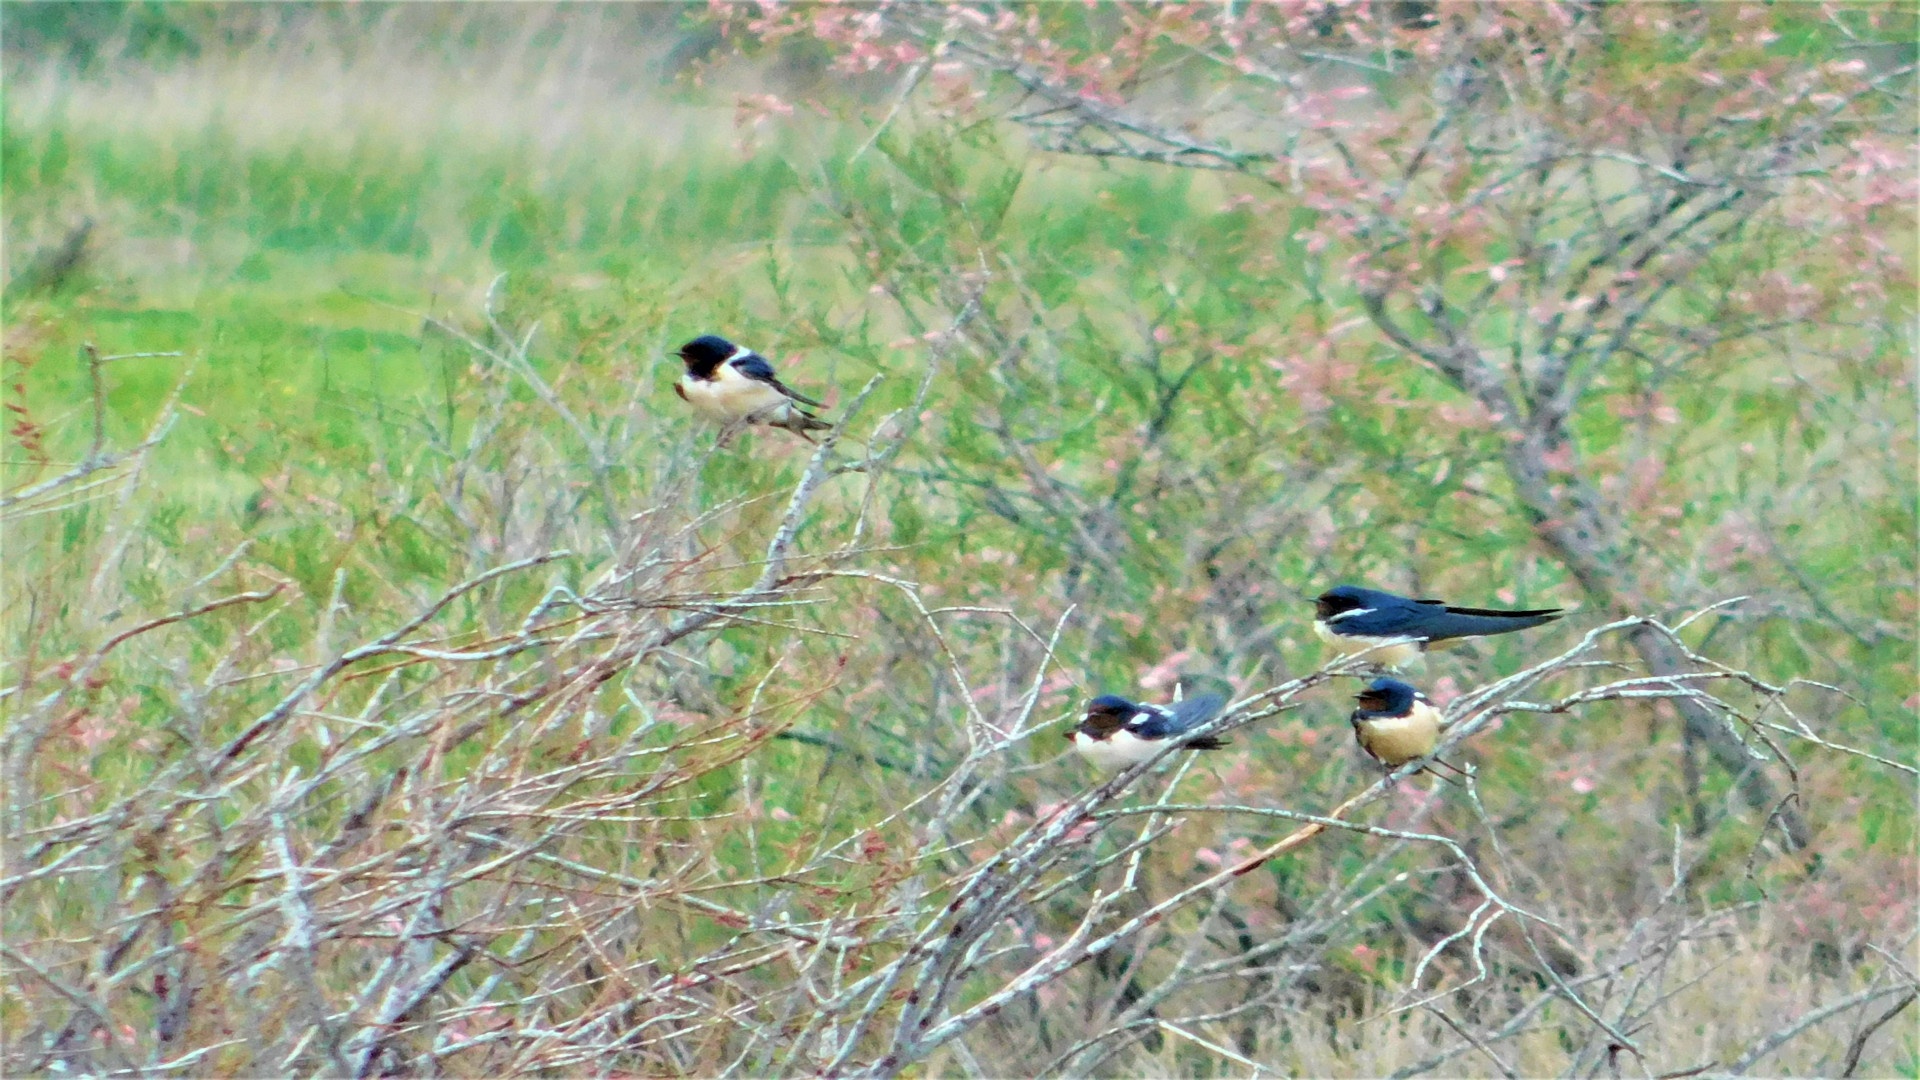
[283, 211]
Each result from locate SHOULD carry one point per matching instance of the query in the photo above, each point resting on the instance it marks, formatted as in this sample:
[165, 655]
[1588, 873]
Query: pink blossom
[1312, 379]
[1647, 472]
[1732, 541]
[91, 730]
[1559, 458]
[1164, 672]
[1469, 415]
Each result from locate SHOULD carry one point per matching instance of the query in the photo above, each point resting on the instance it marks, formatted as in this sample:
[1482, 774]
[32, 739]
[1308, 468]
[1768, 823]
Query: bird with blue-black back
[1393, 630]
[734, 386]
[1117, 733]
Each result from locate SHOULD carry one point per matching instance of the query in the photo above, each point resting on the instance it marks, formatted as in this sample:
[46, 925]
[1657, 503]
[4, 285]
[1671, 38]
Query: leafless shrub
[478, 846]
[508, 824]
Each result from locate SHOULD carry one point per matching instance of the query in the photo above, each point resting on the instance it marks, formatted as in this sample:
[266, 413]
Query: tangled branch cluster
[508, 831]
[481, 855]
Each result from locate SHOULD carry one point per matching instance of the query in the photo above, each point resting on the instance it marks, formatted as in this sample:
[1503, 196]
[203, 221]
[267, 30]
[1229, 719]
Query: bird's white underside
[730, 397]
[1397, 740]
[1117, 751]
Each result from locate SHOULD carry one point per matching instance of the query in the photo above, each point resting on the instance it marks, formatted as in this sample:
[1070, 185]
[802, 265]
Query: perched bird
[1395, 723]
[735, 385]
[1355, 619]
[1117, 733]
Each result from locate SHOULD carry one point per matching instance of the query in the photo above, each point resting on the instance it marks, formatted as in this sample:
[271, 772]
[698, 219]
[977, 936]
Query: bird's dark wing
[1385, 618]
[1155, 722]
[1194, 711]
[1434, 622]
[754, 366]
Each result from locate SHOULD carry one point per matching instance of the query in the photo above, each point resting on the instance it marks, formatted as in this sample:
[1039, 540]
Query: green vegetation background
[282, 216]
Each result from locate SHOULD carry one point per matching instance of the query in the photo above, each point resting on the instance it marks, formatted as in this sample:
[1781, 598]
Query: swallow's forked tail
[1480, 622]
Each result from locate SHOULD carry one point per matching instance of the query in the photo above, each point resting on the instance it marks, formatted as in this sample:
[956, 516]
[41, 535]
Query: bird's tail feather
[1470, 622]
[800, 422]
[1549, 612]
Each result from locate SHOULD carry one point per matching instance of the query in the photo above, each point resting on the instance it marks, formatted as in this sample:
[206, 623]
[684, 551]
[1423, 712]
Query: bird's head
[1388, 696]
[1340, 598]
[706, 352]
[1106, 714]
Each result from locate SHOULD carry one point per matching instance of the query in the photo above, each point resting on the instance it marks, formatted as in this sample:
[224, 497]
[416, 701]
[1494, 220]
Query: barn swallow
[1117, 733]
[1395, 723]
[735, 385]
[1355, 619]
